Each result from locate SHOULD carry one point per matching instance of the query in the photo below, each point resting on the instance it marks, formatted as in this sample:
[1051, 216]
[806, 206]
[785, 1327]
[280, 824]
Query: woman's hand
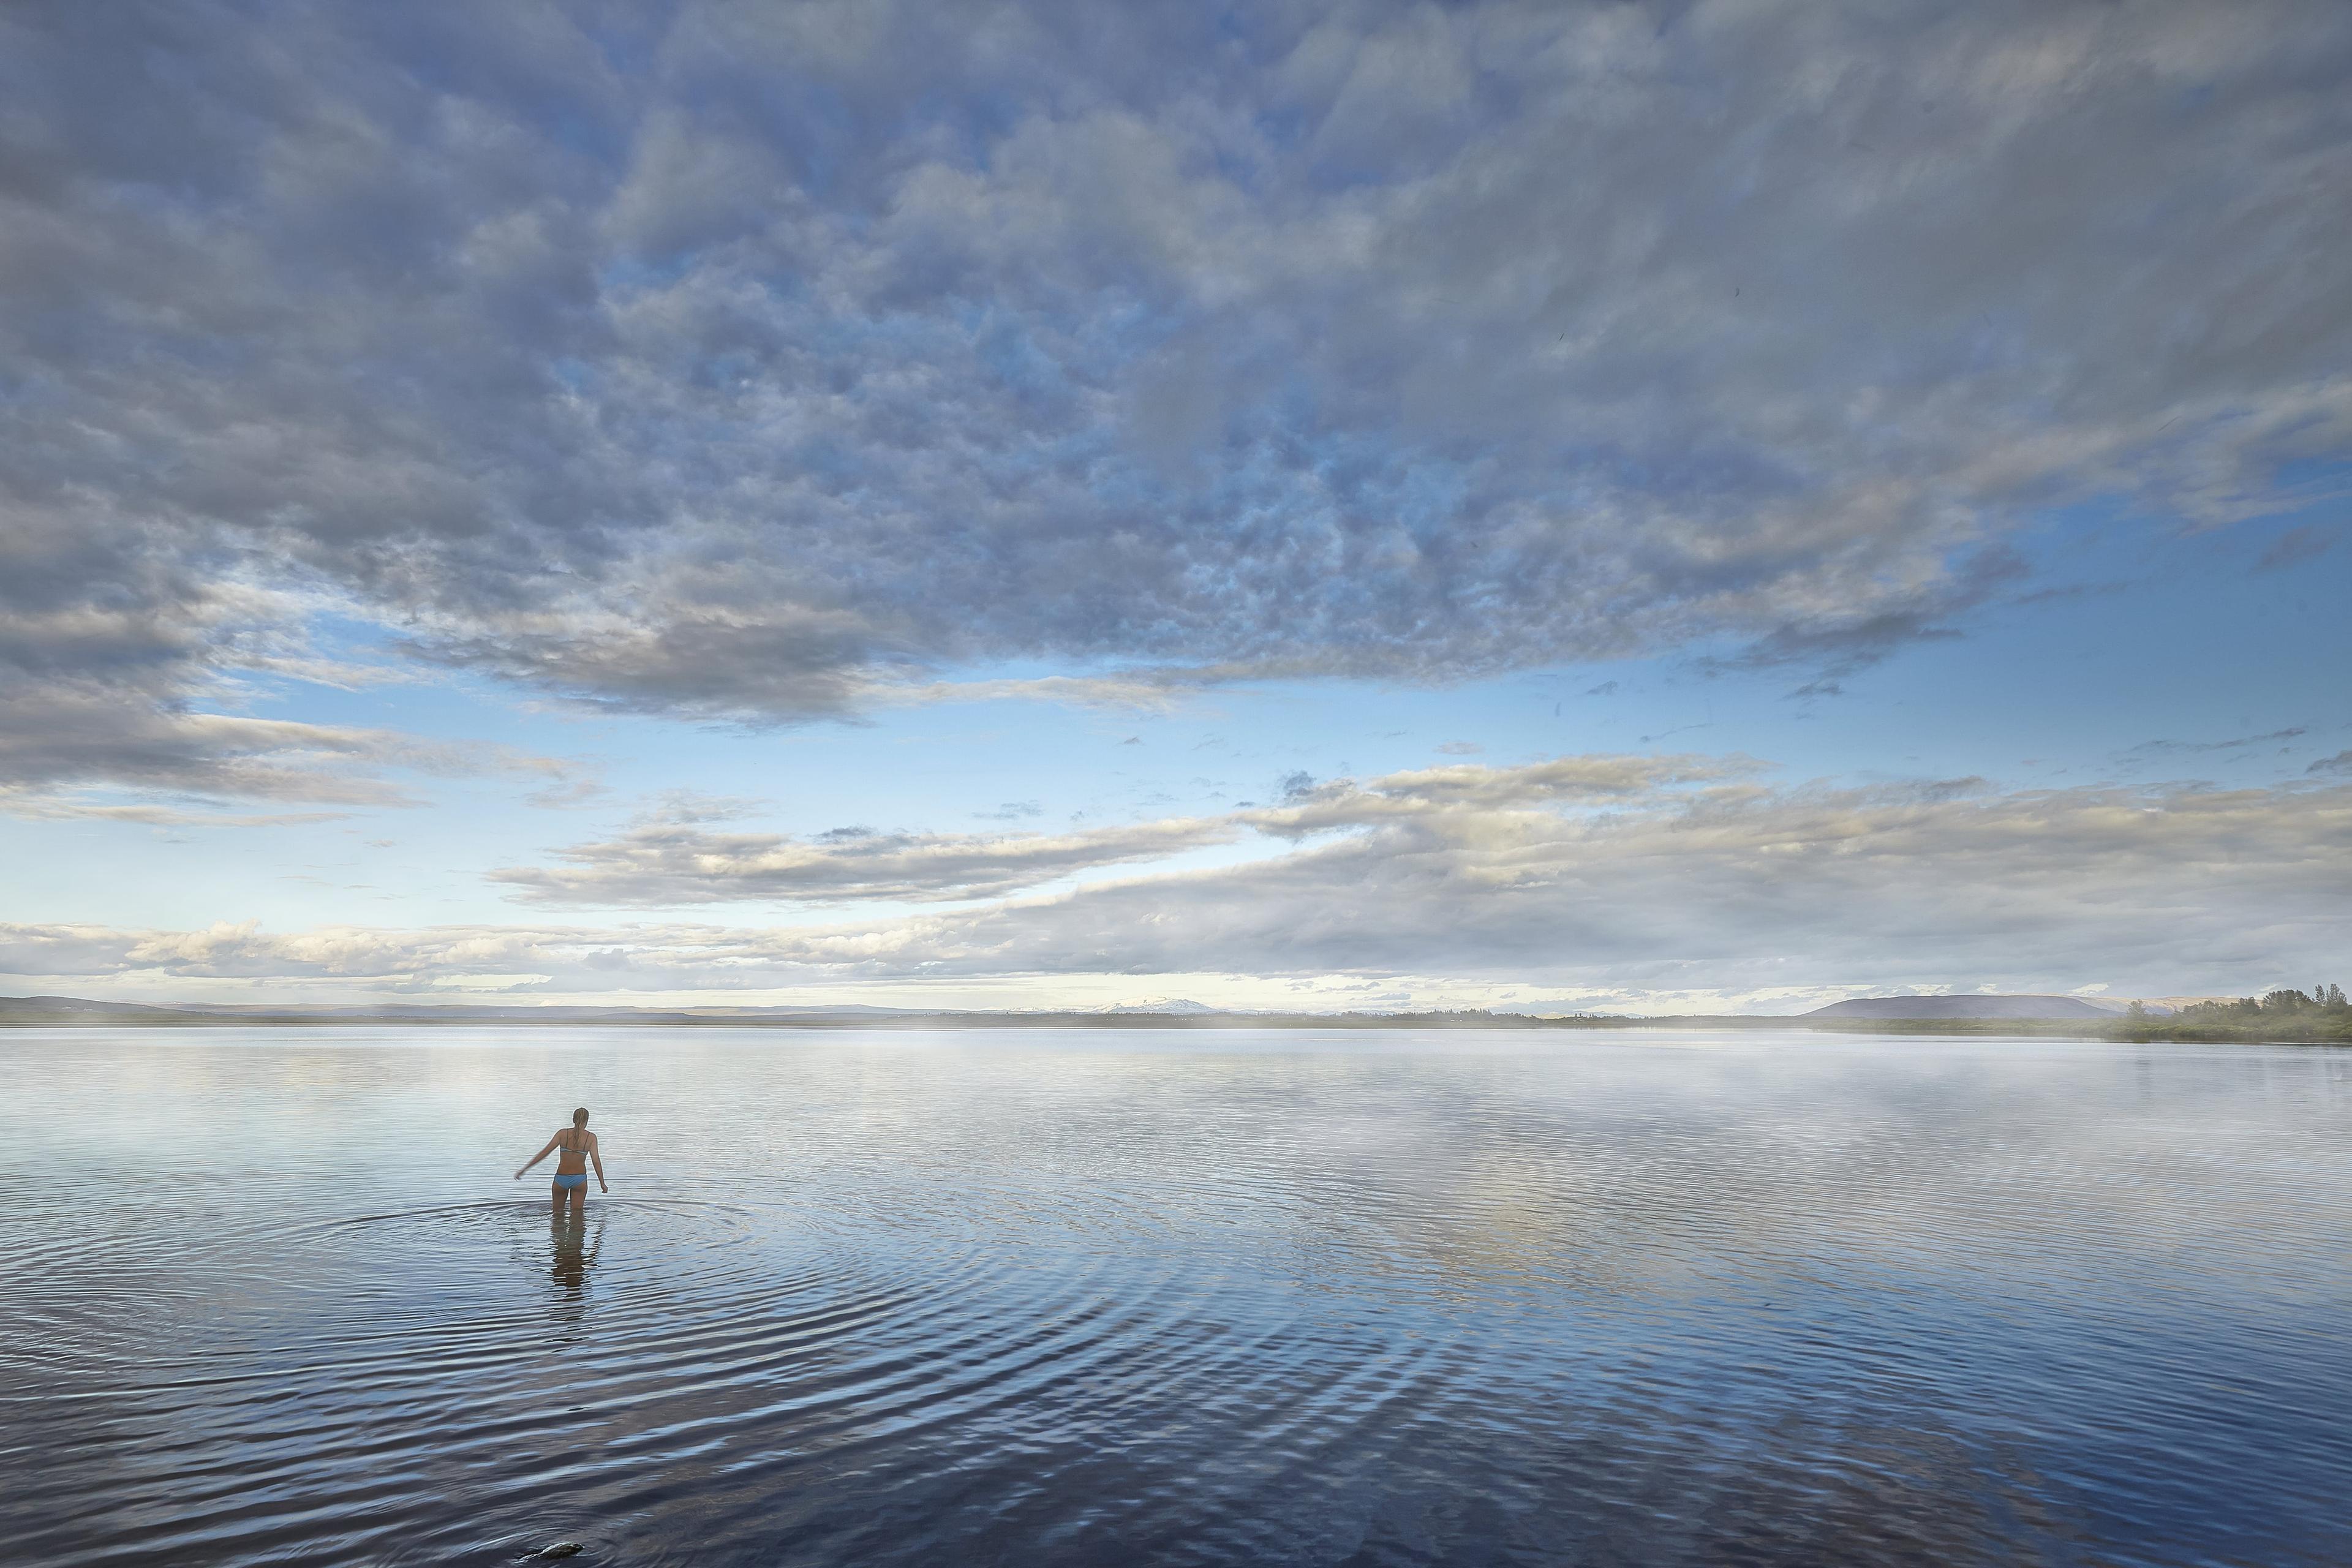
[519, 1173]
[601, 1186]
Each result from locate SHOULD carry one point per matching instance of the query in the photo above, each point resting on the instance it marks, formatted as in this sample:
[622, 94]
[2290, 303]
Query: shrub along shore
[2320, 1017]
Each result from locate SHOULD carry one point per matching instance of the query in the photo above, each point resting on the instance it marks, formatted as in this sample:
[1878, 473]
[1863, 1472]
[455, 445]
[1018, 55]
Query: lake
[1188, 1297]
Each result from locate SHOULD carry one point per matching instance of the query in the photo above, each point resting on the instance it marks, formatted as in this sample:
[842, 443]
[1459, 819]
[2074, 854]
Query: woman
[578, 1149]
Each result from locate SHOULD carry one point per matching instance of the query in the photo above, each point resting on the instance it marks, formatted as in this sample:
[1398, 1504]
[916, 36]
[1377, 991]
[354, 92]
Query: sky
[1711, 507]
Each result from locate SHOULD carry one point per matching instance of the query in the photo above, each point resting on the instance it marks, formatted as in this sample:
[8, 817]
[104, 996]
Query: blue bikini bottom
[568, 1183]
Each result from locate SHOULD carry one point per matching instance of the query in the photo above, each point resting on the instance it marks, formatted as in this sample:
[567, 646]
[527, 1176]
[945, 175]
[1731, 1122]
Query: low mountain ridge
[75, 1007]
[1962, 1008]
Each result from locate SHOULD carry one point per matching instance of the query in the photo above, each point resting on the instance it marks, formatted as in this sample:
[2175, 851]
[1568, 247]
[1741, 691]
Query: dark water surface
[1125, 1297]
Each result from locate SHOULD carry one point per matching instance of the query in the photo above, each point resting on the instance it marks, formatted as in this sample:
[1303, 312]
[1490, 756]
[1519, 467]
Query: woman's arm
[596, 1158]
[551, 1143]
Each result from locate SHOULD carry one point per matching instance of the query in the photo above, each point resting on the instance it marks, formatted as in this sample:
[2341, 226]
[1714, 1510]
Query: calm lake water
[1138, 1297]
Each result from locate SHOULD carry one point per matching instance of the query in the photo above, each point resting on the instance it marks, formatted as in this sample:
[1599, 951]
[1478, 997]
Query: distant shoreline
[53, 1013]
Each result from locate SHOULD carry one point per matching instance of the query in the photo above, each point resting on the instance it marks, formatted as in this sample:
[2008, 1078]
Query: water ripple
[1762, 1302]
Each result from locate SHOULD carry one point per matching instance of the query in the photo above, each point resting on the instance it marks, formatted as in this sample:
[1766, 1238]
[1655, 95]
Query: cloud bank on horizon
[1610, 879]
[774, 364]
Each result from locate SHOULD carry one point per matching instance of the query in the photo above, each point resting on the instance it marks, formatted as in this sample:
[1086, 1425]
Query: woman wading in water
[577, 1146]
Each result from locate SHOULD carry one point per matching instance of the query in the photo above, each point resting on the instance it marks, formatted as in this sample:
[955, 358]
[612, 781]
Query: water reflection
[1087, 1298]
[573, 1244]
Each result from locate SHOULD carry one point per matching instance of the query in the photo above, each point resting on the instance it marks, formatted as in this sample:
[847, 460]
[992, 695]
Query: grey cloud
[1934, 790]
[2053, 889]
[56, 740]
[44, 808]
[2152, 749]
[566, 793]
[691, 806]
[1148, 690]
[2293, 548]
[584, 348]
[669, 862]
[2340, 764]
[671, 857]
[1841, 643]
[2153, 891]
[1594, 779]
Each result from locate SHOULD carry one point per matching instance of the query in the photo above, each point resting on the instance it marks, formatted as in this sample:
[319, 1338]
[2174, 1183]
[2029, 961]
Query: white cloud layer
[1606, 878]
[674, 857]
[666, 863]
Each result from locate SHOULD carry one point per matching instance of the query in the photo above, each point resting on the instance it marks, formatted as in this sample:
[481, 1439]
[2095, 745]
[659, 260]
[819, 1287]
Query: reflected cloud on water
[1255, 1300]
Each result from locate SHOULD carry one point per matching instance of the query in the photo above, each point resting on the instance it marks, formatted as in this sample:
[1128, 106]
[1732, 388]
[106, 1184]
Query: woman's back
[575, 1148]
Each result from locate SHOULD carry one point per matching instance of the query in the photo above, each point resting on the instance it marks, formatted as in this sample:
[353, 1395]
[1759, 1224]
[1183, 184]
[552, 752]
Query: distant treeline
[2320, 1014]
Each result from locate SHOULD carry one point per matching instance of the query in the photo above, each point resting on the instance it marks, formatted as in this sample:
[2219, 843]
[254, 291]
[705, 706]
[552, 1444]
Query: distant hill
[75, 1007]
[1962, 1008]
[1178, 1014]
[2055, 1012]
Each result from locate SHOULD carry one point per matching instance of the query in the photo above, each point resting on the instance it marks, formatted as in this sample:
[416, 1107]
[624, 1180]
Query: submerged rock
[560, 1549]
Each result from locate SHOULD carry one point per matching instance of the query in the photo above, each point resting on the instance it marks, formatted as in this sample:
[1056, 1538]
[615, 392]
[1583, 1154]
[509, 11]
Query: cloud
[1842, 645]
[41, 807]
[2154, 749]
[2293, 548]
[1149, 690]
[121, 683]
[672, 858]
[58, 739]
[2340, 764]
[670, 862]
[1197, 346]
[1740, 887]
[567, 792]
[1579, 877]
[1472, 788]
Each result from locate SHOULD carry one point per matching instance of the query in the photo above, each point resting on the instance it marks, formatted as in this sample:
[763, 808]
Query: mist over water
[1213, 1297]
